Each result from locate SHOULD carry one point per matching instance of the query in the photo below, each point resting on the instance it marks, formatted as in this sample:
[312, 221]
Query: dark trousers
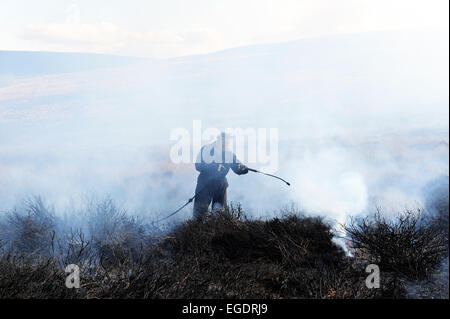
[207, 191]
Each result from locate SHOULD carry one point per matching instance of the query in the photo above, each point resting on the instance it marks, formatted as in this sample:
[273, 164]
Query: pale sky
[170, 28]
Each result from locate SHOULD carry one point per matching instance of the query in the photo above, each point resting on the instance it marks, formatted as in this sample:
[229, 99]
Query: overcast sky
[170, 28]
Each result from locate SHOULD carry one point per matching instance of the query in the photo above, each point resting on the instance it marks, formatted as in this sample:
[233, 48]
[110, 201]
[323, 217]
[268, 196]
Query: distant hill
[366, 82]
[22, 63]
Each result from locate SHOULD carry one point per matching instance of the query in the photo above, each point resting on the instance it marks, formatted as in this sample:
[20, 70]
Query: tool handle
[256, 171]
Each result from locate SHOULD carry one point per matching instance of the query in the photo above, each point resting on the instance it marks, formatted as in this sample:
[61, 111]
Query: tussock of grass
[409, 245]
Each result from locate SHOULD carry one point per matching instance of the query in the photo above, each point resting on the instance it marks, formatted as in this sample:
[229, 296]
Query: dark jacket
[217, 169]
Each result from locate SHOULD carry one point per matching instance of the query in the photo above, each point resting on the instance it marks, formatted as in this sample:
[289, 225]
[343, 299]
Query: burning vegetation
[223, 255]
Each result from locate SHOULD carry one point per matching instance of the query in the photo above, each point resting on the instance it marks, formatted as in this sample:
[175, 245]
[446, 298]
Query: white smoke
[328, 182]
[363, 121]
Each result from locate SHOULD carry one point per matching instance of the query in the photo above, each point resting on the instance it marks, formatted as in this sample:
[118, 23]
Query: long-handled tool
[192, 198]
[256, 171]
[187, 203]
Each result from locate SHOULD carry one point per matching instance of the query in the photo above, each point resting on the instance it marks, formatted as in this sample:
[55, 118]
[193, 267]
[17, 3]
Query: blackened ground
[225, 255]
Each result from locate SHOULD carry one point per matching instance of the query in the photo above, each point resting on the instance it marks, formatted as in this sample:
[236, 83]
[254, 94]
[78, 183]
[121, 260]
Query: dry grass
[224, 255]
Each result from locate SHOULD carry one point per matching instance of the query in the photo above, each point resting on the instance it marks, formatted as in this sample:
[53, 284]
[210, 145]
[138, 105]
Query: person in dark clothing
[214, 163]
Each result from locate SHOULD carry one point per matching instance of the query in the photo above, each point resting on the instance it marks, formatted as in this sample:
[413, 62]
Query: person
[214, 162]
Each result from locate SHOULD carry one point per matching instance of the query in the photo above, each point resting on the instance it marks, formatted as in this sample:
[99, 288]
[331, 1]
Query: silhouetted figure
[212, 182]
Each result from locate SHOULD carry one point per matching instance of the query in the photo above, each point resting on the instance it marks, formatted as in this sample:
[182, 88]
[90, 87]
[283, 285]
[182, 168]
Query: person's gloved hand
[243, 169]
